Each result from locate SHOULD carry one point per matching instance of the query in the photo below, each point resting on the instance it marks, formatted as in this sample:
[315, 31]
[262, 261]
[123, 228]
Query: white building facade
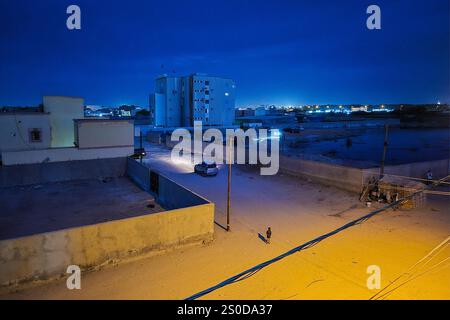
[179, 101]
[166, 110]
[52, 127]
[63, 110]
[60, 132]
[24, 130]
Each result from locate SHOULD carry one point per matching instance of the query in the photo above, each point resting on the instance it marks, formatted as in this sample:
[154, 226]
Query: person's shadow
[260, 236]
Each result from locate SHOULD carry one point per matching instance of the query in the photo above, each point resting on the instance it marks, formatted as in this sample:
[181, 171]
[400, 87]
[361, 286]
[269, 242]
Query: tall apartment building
[165, 102]
[179, 101]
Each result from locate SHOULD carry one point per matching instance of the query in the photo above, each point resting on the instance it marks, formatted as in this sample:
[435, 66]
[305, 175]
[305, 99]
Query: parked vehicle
[138, 153]
[206, 169]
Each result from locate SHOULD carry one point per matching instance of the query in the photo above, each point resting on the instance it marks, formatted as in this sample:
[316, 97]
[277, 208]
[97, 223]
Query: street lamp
[230, 153]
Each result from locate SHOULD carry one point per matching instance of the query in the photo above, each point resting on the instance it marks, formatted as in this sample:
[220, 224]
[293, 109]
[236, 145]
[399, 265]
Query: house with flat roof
[59, 132]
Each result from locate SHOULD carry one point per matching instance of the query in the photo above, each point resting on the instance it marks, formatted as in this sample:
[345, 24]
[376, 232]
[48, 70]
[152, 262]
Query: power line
[251, 271]
[411, 279]
[426, 259]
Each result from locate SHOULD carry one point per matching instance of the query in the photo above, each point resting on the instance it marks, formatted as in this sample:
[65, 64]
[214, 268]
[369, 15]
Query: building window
[35, 135]
[207, 82]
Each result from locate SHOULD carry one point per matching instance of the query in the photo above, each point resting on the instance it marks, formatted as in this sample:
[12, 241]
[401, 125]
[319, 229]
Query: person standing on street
[268, 235]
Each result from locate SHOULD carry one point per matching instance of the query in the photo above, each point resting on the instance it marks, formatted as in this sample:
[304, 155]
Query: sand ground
[297, 210]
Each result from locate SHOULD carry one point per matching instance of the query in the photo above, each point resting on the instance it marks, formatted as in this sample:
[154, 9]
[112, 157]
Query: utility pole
[140, 144]
[383, 158]
[230, 153]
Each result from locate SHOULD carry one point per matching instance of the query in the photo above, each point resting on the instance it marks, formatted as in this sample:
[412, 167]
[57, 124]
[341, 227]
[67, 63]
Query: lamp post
[230, 153]
[140, 144]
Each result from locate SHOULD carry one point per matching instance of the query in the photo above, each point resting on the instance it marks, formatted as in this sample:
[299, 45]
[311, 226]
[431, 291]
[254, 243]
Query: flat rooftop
[95, 119]
[28, 210]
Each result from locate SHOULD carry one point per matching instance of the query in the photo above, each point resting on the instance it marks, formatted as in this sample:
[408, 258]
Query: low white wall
[63, 154]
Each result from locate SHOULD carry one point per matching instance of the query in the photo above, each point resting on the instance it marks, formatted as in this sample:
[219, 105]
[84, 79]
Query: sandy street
[297, 210]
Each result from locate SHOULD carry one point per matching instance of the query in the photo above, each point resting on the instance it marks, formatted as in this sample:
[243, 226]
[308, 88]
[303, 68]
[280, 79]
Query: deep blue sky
[290, 52]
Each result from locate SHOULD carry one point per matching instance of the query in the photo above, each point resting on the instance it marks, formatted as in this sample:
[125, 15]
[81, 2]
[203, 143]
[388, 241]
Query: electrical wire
[427, 258]
[251, 271]
[410, 279]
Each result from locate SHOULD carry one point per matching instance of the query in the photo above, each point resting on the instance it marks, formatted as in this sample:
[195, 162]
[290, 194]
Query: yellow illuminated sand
[298, 211]
[333, 269]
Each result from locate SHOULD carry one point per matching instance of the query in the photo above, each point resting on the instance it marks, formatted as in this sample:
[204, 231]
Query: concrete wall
[352, 179]
[170, 194]
[351, 124]
[190, 220]
[63, 110]
[63, 154]
[139, 174]
[154, 137]
[15, 131]
[104, 133]
[439, 168]
[61, 171]
[48, 255]
[345, 178]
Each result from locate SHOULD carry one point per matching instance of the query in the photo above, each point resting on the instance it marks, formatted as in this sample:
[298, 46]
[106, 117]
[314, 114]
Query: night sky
[282, 52]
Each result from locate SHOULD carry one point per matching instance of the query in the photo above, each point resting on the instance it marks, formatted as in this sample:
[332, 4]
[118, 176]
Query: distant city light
[276, 133]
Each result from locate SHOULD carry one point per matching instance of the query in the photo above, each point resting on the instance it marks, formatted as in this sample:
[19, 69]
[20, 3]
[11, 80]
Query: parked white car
[206, 169]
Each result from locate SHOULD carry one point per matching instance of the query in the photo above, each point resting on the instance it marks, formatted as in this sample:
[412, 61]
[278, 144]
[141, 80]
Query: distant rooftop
[92, 119]
[20, 112]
